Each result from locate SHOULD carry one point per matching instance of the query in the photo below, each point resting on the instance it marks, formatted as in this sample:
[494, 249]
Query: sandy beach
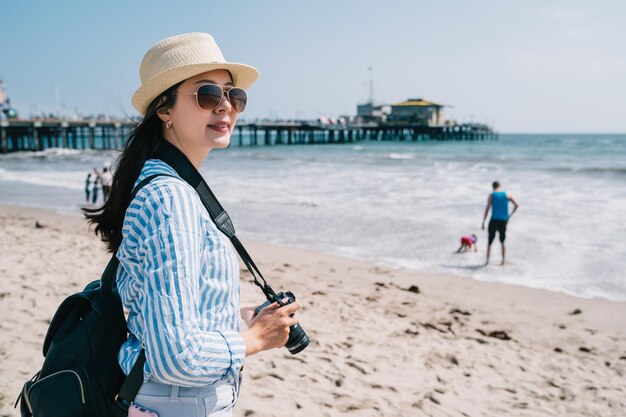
[384, 342]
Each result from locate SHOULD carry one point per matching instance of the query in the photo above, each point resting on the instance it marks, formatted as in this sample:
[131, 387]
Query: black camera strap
[172, 156]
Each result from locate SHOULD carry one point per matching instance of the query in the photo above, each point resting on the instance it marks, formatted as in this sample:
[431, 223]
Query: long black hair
[141, 143]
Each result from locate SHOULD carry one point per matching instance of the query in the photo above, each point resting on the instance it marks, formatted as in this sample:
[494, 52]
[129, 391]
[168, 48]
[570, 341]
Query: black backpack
[80, 376]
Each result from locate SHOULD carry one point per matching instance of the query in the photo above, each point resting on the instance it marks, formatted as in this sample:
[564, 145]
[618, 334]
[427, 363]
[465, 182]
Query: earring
[168, 124]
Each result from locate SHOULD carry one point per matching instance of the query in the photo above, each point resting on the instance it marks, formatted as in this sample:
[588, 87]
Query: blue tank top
[499, 206]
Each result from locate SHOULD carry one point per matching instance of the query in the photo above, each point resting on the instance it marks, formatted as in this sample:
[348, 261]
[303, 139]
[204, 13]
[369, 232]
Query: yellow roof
[417, 102]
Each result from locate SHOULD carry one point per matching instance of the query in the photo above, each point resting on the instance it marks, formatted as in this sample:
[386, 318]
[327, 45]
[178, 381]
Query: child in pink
[467, 242]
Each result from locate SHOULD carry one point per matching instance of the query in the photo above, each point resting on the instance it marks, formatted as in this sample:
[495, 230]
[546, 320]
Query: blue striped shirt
[179, 279]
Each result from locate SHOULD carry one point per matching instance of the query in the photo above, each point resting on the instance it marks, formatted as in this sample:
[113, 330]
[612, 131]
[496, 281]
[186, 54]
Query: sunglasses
[210, 96]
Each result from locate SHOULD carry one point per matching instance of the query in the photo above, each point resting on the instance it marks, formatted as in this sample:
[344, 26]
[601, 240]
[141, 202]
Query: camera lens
[298, 340]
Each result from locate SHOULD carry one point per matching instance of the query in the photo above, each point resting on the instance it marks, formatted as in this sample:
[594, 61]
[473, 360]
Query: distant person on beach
[178, 274]
[498, 202]
[467, 242]
[94, 185]
[88, 188]
[106, 179]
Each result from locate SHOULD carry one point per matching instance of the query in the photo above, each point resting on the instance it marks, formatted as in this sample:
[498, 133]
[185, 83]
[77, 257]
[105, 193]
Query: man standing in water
[498, 201]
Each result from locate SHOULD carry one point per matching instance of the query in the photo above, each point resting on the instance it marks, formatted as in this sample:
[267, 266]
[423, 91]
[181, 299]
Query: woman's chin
[220, 142]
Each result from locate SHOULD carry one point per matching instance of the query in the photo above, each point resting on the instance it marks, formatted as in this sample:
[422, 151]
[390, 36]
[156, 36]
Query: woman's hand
[270, 328]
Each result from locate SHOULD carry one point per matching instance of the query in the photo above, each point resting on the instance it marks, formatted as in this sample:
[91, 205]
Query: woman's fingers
[287, 309]
[290, 309]
[291, 321]
[270, 307]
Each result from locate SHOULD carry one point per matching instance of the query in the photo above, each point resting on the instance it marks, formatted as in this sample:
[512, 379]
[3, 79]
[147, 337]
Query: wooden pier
[29, 135]
[37, 135]
[303, 133]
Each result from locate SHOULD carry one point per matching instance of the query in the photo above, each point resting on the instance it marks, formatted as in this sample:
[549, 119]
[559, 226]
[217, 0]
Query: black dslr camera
[298, 340]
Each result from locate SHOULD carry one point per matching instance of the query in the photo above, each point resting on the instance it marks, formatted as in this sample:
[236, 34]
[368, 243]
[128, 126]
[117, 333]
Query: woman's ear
[163, 112]
[164, 115]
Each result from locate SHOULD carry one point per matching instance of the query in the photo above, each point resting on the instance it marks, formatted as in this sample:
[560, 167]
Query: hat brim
[243, 77]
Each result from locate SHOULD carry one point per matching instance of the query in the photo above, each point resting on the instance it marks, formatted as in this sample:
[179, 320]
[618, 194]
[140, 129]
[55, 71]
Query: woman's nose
[224, 104]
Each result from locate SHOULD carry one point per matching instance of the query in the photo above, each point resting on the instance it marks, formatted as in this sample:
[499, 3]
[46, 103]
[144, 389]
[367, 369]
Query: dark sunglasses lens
[238, 99]
[209, 96]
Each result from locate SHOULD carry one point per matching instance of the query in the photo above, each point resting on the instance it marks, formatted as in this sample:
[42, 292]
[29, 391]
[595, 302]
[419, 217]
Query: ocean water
[404, 204]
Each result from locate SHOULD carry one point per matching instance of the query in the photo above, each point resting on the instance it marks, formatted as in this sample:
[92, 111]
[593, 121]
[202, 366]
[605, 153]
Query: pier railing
[36, 135]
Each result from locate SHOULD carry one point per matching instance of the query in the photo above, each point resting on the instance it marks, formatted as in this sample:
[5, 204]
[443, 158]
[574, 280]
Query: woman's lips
[219, 127]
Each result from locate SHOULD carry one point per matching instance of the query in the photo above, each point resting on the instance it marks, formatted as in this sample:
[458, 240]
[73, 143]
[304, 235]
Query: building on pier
[417, 111]
[413, 111]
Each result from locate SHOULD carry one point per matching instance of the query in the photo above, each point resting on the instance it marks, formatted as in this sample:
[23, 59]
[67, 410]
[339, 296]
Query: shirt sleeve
[178, 350]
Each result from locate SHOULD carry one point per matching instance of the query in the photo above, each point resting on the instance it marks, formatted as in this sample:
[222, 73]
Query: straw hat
[179, 57]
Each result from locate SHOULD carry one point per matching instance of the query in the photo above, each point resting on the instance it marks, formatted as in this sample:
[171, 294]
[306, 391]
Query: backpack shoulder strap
[133, 381]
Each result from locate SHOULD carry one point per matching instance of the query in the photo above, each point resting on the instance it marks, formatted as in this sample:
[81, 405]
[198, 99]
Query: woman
[178, 276]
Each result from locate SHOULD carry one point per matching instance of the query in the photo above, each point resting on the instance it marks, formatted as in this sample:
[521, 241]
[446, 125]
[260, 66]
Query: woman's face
[194, 130]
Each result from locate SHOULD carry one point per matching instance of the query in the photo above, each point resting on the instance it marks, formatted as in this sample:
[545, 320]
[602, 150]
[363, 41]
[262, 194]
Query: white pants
[174, 401]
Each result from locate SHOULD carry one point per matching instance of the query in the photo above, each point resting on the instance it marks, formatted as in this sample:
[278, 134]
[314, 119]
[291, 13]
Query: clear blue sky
[525, 66]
